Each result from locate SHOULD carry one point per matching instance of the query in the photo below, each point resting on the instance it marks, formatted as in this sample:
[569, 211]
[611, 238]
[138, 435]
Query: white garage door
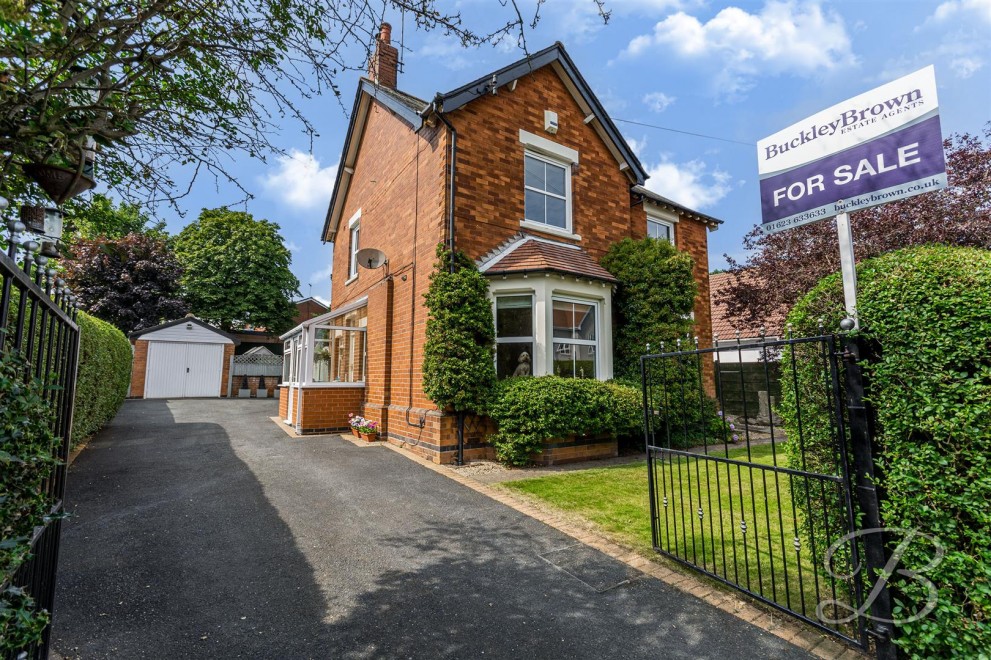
[177, 370]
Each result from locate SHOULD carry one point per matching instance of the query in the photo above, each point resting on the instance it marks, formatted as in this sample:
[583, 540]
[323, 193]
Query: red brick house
[522, 170]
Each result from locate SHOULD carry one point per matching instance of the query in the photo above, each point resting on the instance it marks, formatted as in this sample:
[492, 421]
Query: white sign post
[879, 147]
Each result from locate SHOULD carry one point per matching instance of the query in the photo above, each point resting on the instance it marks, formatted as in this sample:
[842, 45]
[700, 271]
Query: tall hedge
[653, 302]
[104, 375]
[458, 358]
[929, 310]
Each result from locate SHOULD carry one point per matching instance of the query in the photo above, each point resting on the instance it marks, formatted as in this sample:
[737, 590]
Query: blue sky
[732, 70]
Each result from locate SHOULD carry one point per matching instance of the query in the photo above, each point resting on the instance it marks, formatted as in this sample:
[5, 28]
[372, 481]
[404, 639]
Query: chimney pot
[386, 33]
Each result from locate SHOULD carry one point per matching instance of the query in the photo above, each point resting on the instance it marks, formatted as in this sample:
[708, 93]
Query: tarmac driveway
[200, 529]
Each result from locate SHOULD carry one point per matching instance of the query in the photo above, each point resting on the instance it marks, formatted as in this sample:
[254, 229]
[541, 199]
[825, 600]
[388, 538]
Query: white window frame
[659, 217]
[594, 343]
[516, 340]
[354, 239]
[545, 226]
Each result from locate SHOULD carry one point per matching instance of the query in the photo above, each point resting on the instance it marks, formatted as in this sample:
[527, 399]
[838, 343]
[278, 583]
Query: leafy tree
[653, 302]
[784, 266]
[160, 84]
[458, 358]
[131, 282]
[101, 218]
[237, 271]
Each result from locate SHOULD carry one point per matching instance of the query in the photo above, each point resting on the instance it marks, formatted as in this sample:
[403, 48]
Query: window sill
[355, 385]
[350, 279]
[549, 229]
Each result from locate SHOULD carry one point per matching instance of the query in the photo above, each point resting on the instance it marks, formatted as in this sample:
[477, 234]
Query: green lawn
[765, 559]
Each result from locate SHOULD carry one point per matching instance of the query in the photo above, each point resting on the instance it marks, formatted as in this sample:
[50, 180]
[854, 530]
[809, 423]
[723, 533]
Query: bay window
[575, 334]
[514, 335]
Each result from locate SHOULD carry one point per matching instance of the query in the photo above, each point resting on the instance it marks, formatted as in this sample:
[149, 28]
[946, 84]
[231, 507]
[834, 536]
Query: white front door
[177, 370]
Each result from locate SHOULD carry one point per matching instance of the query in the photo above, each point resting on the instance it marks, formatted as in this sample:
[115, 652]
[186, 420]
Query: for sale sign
[881, 146]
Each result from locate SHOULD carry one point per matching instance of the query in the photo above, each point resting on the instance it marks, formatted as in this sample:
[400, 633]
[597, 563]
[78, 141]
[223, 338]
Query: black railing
[38, 329]
[758, 502]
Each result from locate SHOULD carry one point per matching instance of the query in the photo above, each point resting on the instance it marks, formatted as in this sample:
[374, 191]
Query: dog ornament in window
[523, 368]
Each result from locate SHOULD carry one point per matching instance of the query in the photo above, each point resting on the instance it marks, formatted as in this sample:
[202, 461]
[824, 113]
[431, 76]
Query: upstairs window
[353, 250]
[548, 192]
[660, 229]
[660, 224]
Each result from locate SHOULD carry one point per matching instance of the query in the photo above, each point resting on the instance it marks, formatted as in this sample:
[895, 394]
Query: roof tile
[542, 256]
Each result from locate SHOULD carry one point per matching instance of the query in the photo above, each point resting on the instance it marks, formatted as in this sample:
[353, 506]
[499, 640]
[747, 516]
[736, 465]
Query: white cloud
[637, 145]
[785, 37]
[611, 102]
[965, 67]
[580, 19]
[953, 9]
[691, 183]
[325, 301]
[292, 247]
[322, 276]
[448, 52]
[658, 101]
[300, 182]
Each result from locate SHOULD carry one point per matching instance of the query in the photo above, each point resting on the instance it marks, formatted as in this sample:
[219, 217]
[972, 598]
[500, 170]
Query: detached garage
[180, 359]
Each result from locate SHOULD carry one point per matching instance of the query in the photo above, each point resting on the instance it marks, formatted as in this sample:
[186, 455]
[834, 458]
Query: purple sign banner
[879, 147]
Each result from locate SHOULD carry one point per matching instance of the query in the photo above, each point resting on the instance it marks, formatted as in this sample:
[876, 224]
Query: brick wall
[138, 368]
[326, 409]
[283, 402]
[226, 372]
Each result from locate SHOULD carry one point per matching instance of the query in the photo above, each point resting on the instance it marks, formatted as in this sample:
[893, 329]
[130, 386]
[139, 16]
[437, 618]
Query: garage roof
[185, 319]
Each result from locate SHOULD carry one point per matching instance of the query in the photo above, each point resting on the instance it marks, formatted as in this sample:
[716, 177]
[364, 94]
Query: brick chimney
[383, 64]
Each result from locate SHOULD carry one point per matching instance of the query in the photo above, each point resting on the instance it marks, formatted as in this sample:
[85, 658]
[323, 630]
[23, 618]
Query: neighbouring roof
[724, 326]
[412, 110]
[672, 205]
[258, 350]
[310, 299]
[185, 319]
[530, 254]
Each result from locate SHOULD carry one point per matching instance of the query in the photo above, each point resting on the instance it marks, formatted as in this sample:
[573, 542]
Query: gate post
[855, 351]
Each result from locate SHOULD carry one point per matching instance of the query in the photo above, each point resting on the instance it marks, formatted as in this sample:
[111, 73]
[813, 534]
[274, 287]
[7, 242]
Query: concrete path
[200, 529]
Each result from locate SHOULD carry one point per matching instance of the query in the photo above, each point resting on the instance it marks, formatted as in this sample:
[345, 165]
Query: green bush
[530, 410]
[458, 357]
[653, 302]
[928, 310]
[104, 375]
[26, 461]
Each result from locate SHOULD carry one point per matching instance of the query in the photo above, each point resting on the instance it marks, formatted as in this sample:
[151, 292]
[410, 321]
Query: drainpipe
[432, 108]
[453, 188]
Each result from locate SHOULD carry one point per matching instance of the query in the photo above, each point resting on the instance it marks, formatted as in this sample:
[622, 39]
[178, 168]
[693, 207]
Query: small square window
[661, 229]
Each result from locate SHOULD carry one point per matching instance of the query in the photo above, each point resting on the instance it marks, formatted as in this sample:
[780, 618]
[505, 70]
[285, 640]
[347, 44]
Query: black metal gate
[763, 504]
[38, 329]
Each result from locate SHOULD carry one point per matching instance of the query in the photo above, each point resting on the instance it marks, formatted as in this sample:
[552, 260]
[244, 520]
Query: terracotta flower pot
[368, 437]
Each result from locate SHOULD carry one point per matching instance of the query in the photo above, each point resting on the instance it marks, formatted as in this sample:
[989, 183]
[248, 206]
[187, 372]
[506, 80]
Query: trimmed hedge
[928, 309]
[104, 375]
[530, 410]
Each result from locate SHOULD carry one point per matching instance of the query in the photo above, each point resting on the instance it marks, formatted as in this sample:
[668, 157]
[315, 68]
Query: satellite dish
[371, 258]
